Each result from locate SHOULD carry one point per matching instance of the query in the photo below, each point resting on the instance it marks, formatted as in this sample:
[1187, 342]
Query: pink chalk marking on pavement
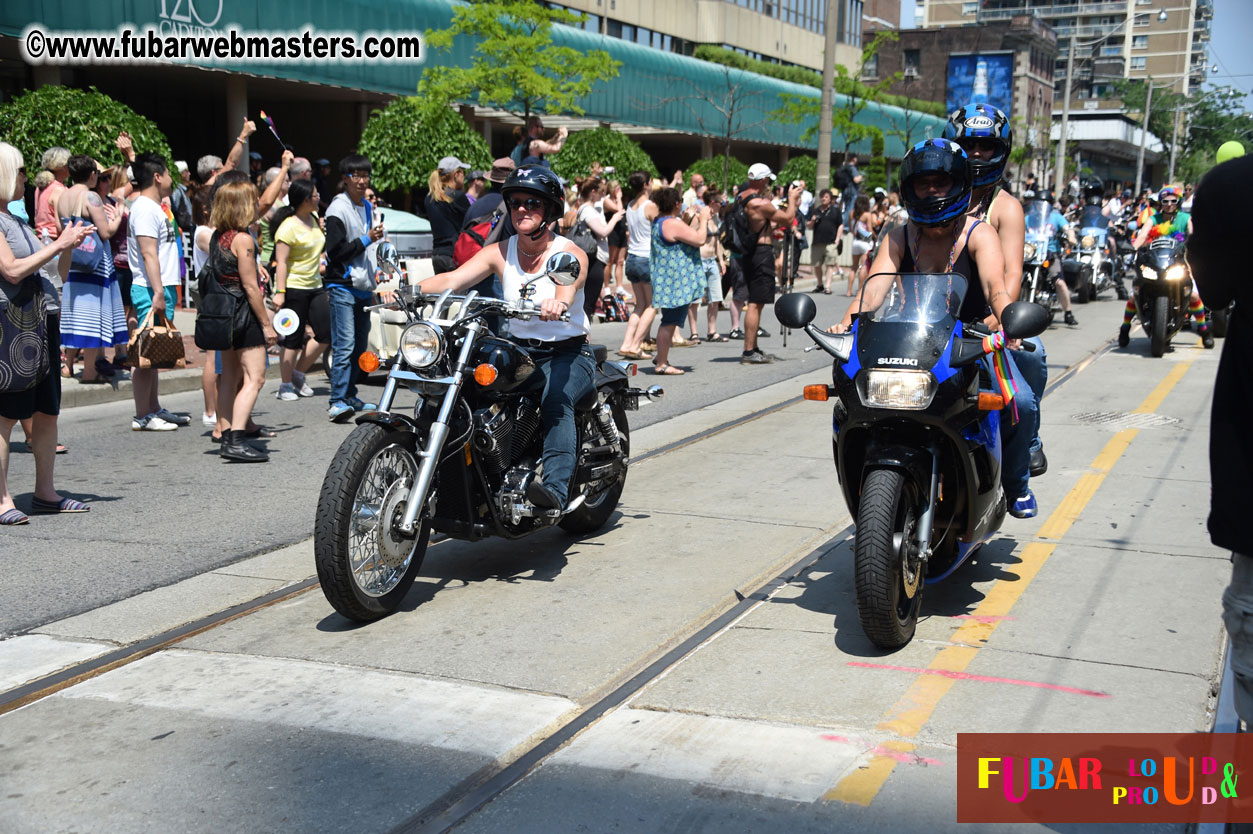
[966, 676]
[983, 618]
[903, 758]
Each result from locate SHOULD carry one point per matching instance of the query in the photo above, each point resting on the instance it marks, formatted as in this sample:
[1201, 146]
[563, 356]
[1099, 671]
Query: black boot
[541, 496]
[235, 449]
[1039, 463]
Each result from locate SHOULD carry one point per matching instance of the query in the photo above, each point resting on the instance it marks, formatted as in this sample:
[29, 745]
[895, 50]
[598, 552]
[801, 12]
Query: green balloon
[1229, 150]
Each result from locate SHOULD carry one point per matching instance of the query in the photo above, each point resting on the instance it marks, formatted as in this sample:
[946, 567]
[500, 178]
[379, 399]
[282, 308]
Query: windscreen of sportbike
[907, 318]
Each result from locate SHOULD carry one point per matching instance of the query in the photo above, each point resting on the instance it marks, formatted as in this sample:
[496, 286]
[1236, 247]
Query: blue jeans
[350, 333]
[566, 376]
[1030, 373]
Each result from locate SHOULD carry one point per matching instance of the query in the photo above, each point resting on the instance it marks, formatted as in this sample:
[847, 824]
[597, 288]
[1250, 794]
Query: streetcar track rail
[463, 800]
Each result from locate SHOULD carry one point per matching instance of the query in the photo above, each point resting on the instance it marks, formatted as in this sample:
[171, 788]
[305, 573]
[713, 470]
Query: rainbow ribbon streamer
[270, 123]
[1002, 375]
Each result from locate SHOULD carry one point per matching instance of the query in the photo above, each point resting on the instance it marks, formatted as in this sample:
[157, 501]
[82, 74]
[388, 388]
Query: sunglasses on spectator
[530, 204]
[359, 175]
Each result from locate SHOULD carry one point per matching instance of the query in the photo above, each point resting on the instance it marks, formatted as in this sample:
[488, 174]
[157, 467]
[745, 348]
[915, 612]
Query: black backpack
[842, 180]
[737, 233]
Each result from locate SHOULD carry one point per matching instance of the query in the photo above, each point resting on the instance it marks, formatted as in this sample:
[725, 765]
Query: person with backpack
[591, 227]
[486, 222]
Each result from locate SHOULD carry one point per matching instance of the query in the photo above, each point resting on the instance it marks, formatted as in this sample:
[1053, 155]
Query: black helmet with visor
[536, 181]
[934, 157]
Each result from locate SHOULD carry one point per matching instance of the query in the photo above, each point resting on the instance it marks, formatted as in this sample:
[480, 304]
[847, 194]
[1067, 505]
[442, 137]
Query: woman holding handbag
[234, 256]
[30, 388]
[591, 234]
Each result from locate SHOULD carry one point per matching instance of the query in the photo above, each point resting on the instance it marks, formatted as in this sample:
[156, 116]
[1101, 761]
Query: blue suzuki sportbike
[917, 437]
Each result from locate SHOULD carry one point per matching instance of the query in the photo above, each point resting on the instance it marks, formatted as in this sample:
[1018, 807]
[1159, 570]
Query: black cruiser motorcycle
[460, 463]
[917, 438]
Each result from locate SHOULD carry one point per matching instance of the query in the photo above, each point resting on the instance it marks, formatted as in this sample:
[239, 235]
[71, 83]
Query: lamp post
[1144, 130]
[824, 107]
[1059, 174]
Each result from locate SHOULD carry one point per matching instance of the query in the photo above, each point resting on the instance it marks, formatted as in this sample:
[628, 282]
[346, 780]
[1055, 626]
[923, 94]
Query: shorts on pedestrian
[825, 254]
[759, 276]
[674, 315]
[312, 307]
[713, 280]
[637, 269]
[860, 246]
[733, 281]
[141, 300]
[45, 397]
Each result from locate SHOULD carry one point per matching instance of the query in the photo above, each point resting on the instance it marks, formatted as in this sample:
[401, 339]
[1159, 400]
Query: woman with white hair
[29, 387]
[49, 185]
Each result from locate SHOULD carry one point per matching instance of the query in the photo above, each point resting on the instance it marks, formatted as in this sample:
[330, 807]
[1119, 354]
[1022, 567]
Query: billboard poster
[975, 79]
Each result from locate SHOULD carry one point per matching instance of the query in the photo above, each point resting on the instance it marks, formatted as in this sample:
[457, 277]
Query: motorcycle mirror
[795, 310]
[562, 268]
[1022, 320]
[387, 258]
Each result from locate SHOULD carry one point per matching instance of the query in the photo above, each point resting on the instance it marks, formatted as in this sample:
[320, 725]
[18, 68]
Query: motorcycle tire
[594, 513]
[888, 598]
[1085, 291]
[342, 515]
[1218, 323]
[1158, 340]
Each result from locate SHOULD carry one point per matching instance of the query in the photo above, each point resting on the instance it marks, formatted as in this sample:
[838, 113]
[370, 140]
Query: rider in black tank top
[975, 305]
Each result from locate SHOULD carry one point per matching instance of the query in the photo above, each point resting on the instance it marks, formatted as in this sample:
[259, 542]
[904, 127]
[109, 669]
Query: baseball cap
[321, 161]
[449, 164]
[881, 190]
[501, 169]
[180, 165]
[760, 171]
[254, 155]
[476, 175]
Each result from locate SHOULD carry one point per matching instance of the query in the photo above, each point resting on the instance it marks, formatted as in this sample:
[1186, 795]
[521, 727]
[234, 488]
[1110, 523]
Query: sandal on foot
[62, 448]
[716, 337]
[13, 517]
[260, 431]
[65, 505]
[668, 370]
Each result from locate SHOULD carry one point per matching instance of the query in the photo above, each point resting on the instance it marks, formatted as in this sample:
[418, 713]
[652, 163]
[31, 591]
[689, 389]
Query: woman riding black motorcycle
[557, 341]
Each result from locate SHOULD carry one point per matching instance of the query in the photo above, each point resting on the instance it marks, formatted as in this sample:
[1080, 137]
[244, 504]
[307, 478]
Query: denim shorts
[637, 270]
[713, 280]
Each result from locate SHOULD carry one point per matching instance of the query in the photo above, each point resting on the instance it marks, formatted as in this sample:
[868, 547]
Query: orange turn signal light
[485, 374]
[990, 402]
[368, 361]
[820, 393]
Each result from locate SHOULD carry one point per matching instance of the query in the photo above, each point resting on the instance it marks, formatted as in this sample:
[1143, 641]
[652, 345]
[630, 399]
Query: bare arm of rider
[985, 247]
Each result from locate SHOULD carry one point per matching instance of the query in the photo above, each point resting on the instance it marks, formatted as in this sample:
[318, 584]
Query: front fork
[927, 521]
[438, 433]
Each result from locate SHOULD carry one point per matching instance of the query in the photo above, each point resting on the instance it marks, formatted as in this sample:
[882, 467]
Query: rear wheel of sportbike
[364, 564]
[1157, 330]
[889, 569]
[1218, 323]
[593, 513]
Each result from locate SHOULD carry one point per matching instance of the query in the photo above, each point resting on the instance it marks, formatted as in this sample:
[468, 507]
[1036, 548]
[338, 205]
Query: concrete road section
[1101, 614]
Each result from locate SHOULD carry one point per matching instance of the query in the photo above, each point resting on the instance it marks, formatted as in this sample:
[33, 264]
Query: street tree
[1196, 124]
[515, 66]
[406, 139]
[609, 147]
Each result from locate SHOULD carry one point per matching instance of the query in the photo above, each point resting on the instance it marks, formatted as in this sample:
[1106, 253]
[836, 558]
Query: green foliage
[722, 171]
[876, 167]
[405, 140]
[810, 78]
[1204, 120]
[515, 65]
[606, 146]
[84, 121]
[800, 168]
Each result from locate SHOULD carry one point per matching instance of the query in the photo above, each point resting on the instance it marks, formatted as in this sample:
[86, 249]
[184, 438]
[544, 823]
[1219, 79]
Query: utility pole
[1059, 172]
[824, 108]
[1144, 137]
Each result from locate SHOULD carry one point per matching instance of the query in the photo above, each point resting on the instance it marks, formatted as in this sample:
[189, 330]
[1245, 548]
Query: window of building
[970, 9]
[913, 60]
[1111, 51]
[1142, 19]
[1140, 42]
[1138, 63]
[871, 69]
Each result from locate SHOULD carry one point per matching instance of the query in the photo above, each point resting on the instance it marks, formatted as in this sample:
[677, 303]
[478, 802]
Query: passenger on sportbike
[984, 133]
[1167, 220]
[565, 366]
[941, 237]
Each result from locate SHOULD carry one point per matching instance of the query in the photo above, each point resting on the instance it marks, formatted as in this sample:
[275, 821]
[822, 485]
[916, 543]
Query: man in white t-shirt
[152, 247]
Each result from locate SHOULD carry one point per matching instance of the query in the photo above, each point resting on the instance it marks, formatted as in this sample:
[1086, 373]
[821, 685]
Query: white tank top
[513, 280]
[639, 231]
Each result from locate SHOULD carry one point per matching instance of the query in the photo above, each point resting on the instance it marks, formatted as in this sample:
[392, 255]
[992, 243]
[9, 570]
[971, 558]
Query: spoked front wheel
[889, 568]
[365, 564]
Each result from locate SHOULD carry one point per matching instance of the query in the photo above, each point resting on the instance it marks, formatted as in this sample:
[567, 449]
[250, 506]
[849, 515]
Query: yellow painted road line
[908, 715]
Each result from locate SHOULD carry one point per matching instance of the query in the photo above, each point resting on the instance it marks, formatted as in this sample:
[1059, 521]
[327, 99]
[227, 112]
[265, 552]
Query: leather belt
[572, 343]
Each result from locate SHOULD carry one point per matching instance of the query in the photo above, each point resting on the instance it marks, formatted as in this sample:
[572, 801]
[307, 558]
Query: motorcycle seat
[600, 352]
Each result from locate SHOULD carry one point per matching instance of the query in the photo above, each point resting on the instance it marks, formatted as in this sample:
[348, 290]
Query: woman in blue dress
[674, 264]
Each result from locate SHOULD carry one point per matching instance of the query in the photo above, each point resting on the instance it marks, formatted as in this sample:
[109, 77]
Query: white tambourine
[286, 322]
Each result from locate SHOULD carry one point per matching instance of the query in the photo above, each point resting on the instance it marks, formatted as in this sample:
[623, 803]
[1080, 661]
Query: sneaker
[151, 422]
[736, 334]
[1124, 335]
[762, 333]
[755, 357]
[286, 392]
[340, 412]
[1039, 463]
[1070, 319]
[176, 419]
[1023, 506]
[302, 387]
[361, 406]
[208, 419]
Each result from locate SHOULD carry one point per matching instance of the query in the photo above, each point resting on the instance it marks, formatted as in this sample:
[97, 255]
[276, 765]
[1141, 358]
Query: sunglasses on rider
[530, 204]
[1166, 200]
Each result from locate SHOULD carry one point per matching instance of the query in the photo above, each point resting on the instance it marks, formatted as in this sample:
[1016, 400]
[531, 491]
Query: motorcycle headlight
[421, 345]
[1028, 251]
[899, 389]
[1148, 272]
[1087, 242]
[1175, 272]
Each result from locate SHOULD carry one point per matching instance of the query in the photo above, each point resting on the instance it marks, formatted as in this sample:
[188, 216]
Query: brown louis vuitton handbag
[156, 345]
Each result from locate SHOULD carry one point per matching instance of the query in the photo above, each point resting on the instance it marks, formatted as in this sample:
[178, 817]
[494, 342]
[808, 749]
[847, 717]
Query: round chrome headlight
[421, 345]
[1087, 242]
[1028, 251]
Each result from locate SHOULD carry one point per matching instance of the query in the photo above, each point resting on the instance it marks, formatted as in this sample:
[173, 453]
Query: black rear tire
[335, 525]
[1158, 340]
[594, 513]
[889, 595]
[1218, 323]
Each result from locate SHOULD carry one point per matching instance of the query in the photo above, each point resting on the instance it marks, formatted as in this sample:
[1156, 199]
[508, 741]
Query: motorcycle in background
[1036, 287]
[1162, 290]
[1094, 253]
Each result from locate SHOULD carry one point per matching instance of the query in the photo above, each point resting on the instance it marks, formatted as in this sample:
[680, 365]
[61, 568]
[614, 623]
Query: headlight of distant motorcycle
[421, 345]
[1175, 272]
[1148, 272]
[1087, 242]
[899, 389]
[1028, 251]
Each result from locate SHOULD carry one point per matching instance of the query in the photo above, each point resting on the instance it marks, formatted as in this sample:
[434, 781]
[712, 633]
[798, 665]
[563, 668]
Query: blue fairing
[942, 369]
[987, 432]
[853, 365]
[964, 549]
